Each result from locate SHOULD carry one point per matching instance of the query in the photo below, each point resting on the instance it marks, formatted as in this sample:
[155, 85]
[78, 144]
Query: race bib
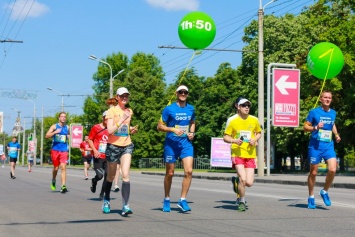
[102, 147]
[86, 153]
[324, 135]
[185, 129]
[245, 136]
[13, 151]
[60, 138]
[122, 131]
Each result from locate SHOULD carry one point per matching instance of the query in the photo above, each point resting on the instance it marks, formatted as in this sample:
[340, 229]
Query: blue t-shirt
[60, 142]
[322, 137]
[13, 149]
[178, 117]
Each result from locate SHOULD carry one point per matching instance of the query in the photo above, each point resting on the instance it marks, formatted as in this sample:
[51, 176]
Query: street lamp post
[60, 93]
[93, 57]
[261, 106]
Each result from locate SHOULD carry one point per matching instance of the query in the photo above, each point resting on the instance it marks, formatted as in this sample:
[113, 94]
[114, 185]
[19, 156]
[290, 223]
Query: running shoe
[166, 206]
[13, 177]
[126, 210]
[325, 197]
[241, 206]
[311, 203]
[53, 187]
[64, 189]
[106, 207]
[235, 181]
[86, 178]
[93, 185]
[238, 201]
[116, 188]
[182, 204]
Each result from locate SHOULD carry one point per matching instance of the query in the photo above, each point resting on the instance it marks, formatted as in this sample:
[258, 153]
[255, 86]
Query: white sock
[311, 196]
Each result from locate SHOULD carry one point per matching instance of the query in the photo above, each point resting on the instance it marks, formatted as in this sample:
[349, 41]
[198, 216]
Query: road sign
[286, 97]
[76, 135]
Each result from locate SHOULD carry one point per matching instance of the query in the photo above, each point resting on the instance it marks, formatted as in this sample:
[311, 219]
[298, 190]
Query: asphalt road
[28, 207]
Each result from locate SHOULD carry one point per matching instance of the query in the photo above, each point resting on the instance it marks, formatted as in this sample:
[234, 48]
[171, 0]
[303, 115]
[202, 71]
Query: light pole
[261, 106]
[93, 57]
[60, 93]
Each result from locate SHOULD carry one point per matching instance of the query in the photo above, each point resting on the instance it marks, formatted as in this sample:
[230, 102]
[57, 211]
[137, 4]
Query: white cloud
[175, 5]
[23, 8]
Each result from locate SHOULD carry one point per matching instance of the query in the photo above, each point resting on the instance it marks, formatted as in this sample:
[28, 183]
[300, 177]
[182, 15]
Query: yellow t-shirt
[245, 128]
[121, 136]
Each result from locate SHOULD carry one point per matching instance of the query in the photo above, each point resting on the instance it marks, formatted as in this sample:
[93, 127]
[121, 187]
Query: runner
[98, 137]
[30, 156]
[86, 156]
[13, 149]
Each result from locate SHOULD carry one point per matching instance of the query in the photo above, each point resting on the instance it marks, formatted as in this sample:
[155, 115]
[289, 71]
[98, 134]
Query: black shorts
[86, 159]
[13, 160]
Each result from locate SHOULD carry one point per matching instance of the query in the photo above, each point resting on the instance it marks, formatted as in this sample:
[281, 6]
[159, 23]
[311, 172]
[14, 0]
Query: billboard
[220, 153]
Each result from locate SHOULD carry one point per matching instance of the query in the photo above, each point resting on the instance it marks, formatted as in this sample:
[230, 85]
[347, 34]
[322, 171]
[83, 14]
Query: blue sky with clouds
[58, 36]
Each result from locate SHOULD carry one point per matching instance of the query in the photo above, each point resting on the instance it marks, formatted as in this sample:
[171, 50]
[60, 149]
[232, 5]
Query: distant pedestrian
[2, 158]
[13, 149]
[30, 156]
[243, 132]
[59, 132]
[86, 156]
[178, 121]
[321, 123]
[98, 137]
[119, 148]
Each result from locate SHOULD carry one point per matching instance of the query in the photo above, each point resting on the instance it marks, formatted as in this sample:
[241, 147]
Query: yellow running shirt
[245, 128]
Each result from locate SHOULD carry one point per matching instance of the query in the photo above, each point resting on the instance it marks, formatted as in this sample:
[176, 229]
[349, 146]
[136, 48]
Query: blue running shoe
[182, 204]
[106, 207]
[126, 210]
[325, 197]
[311, 203]
[166, 206]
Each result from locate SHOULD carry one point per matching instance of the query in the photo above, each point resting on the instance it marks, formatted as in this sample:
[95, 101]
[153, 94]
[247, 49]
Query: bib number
[324, 135]
[245, 136]
[122, 131]
[102, 147]
[60, 138]
[185, 129]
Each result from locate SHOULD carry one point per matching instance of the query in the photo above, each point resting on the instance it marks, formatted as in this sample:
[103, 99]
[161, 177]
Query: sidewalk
[340, 181]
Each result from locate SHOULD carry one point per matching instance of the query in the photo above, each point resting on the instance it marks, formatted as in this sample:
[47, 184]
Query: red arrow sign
[76, 135]
[286, 96]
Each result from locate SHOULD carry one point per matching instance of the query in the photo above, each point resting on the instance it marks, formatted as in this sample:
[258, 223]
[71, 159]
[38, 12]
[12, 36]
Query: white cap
[182, 88]
[242, 101]
[104, 113]
[122, 90]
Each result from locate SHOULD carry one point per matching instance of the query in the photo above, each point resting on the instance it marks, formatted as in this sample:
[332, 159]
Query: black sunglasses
[183, 92]
[245, 105]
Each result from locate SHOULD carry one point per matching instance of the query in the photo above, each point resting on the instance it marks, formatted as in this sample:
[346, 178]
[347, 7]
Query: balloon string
[179, 83]
[326, 74]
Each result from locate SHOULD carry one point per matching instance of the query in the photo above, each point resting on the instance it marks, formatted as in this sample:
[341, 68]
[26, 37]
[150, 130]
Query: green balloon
[197, 30]
[325, 60]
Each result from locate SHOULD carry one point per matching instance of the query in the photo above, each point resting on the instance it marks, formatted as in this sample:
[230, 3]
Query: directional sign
[76, 135]
[286, 97]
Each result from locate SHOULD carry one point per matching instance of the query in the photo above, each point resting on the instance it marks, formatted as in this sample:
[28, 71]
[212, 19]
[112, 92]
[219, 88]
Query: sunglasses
[245, 105]
[183, 92]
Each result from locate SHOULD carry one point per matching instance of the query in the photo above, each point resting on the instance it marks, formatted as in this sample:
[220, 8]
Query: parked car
[38, 161]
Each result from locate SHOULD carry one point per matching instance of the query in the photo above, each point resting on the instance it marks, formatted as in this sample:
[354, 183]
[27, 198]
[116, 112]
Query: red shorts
[59, 157]
[247, 162]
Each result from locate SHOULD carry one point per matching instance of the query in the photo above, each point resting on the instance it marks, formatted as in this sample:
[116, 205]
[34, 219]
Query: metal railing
[158, 163]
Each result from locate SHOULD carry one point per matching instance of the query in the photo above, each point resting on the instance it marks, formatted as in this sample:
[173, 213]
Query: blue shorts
[114, 153]
[175, 150]
[315, 155]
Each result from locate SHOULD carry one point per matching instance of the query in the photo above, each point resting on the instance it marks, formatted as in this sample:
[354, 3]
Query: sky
[59, 36]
